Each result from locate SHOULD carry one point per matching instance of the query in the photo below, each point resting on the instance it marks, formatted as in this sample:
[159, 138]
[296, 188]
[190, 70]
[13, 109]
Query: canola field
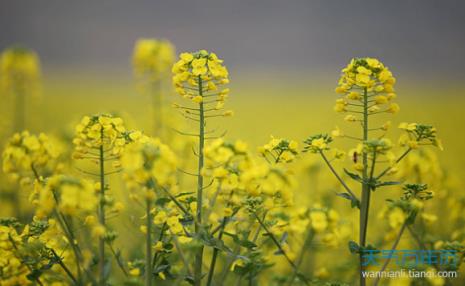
[185, 173]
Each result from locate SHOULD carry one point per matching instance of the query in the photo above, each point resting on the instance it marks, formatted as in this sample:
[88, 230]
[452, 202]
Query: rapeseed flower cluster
[27, 154]
[366, 77]
[147, 163]
[19, 69]
[99, 132]
[152, 59]
[69, 195]
[200, 77]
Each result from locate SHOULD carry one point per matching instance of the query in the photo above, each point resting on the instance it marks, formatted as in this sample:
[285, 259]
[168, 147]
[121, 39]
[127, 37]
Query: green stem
[394, 246]
[176, 201]
[70, 236]
[160, 238]
[182, 256]
[278, 245]
[215, 253]
[64, 267]
[118, 259]
[396, 162]
[68, 233]
[365, 201]
[300, 259]
[417, 239]
[72, 240]
[227, 266]
[343, 183]
[148, 244]
[19, 114]
[101, 212]
[198, 226]
[157, 108]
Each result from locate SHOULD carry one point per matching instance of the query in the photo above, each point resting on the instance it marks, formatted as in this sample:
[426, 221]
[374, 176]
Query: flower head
[419, 134]
[19, 68]
[198, 74]
[70, 195]
[317, 143]
[27, 153]
[279, 150]
[417, 191]
[366, 73]
[366, 77]
[152, 58]
[149, 162]
[103, 130]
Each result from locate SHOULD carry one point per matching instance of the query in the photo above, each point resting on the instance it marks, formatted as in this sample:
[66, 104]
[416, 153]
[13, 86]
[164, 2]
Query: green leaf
[411, 218]
[162, 201]
[189, 279]
[354, 247]
[34, 275]
[388, 183]
[354, 202]
[184, 194]
[241, 242]
[214, 242]
[353, 176]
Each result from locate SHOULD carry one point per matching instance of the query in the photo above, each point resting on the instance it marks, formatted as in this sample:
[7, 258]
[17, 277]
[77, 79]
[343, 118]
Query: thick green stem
[365, 200]
[198, 225]
[101, 213]
[148, 245]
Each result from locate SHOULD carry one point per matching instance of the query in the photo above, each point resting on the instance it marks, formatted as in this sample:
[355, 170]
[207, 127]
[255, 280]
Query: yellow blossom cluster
[14, 272]
[148, 163]
[418, 134]
[100, 132]
[222, 157]
[152, 58]
[366, 82]
[26, 153]
[69, 195]
[170, 216]
[317, 143]
[30, 249]
[279, 150]
[200, 75]
[19, 69]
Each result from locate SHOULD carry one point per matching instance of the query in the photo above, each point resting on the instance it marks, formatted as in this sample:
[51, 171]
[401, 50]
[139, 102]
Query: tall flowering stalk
[367, 87]
[149, 167]
[199, 77]
[100, 139]
[19, 76]
[152, 60]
